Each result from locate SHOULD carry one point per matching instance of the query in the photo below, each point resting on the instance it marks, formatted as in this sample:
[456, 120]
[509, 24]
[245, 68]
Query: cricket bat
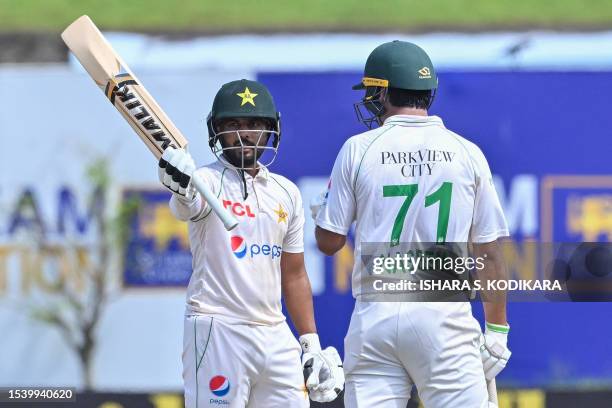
[129, 96]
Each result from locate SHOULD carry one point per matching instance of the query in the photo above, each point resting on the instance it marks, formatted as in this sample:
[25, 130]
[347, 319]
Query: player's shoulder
[215, 174]
[284, 184]
[214, 169]
[358, 144]
[367, 137]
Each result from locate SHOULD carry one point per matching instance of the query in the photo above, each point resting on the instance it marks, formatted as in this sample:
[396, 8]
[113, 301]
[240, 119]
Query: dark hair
[410, 99]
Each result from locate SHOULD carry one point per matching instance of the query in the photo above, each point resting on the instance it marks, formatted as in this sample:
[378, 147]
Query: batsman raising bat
[238, 350]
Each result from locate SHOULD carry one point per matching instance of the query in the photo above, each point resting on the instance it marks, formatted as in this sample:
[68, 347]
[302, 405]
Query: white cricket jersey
[236, 274]
[412, 180]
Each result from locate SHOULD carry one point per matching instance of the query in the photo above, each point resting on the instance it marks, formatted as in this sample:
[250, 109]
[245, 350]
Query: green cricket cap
[399, 64]
[244, 99]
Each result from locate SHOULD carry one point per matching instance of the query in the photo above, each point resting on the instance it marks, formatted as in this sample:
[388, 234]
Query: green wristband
[498, 328]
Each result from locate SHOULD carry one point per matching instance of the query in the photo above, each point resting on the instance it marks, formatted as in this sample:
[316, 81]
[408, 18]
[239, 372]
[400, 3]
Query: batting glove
[494, 349]
[176, 167]
[323, 372]
[316, 203]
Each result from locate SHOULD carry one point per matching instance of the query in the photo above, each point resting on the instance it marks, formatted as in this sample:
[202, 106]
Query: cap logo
[247, 97]
[425, 73]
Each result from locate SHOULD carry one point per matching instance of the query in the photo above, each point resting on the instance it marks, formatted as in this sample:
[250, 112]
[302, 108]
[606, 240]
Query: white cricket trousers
[241, 365]
[392, 345]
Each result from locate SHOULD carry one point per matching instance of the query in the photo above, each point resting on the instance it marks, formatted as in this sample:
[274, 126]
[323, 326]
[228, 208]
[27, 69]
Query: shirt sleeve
[189, 210]
[338, 210]
[488, 220]
[186, 210]
[294, 239]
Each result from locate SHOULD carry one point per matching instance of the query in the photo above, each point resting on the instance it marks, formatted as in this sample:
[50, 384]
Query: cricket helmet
[395, 64]
[245, 99]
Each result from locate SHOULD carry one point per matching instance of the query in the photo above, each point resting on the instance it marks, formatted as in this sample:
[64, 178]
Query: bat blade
[126, 93]
[92, 50]
[121, 86]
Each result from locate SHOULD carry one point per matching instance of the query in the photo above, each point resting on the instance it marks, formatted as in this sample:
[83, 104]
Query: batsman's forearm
[298, 300]
[495, 313]
[494, 301]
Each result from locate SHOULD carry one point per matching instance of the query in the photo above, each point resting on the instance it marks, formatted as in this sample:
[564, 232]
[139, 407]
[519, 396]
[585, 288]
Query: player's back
[411, 181]
[415, 181]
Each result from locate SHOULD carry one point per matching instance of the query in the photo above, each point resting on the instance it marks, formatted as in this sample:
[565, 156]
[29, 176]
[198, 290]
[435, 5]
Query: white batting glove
[316, 203]
[176, 167]
[494, 349]
[323, 372]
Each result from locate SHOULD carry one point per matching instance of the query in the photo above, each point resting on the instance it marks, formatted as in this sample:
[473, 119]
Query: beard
[242, 156]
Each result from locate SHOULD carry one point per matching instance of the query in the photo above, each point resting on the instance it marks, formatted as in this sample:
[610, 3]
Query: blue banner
[547, 137]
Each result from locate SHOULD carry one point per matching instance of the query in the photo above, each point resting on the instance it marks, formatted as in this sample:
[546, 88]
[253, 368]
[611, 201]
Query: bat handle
[228, 220]
[492, 390]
